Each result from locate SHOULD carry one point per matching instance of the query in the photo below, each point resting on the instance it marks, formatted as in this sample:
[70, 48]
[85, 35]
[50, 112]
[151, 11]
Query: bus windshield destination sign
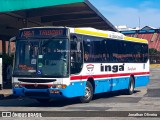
[42, 32]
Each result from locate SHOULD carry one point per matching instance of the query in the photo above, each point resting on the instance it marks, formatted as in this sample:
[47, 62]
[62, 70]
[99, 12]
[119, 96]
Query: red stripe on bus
[107, 75]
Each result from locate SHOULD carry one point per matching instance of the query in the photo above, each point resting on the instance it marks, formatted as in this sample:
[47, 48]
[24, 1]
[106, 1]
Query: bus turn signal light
[59, 86]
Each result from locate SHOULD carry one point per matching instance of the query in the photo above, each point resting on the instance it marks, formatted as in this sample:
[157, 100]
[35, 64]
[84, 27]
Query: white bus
[62, 62]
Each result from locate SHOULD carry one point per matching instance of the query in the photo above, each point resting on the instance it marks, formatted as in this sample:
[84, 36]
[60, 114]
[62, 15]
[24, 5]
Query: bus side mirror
[13, 39]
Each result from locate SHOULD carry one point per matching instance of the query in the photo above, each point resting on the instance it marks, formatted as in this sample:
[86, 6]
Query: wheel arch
[91, 80]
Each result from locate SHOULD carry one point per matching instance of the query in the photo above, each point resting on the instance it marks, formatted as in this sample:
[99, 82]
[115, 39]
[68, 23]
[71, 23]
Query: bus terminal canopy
[16, 14]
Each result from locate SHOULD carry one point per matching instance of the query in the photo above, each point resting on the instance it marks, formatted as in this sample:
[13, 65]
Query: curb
[155, 65]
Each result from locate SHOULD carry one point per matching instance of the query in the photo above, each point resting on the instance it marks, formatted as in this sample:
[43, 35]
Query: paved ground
[144, 99]
[6, 92]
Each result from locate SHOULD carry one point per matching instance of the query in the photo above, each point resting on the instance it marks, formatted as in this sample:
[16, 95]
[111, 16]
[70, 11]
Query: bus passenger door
[76, 64]
[76, 55]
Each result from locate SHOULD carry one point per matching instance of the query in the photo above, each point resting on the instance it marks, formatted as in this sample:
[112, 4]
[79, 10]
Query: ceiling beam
[8, 31]
[88, 25]
[57, 10]
[22, 19]
[80, 24]
[66, 17]
[77, 21]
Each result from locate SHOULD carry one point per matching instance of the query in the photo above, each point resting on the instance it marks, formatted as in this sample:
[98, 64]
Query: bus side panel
[102, 86]
[112, 84]
[119, 84]
[75, 89]
[141, 81]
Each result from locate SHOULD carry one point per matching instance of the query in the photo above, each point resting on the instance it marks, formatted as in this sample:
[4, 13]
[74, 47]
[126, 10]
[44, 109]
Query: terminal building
[149, 33]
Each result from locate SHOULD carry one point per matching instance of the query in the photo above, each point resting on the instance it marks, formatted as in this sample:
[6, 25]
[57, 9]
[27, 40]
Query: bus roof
[42, 27]
[106, 34]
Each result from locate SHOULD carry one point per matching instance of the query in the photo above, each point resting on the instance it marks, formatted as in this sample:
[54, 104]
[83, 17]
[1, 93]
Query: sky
[133, 13]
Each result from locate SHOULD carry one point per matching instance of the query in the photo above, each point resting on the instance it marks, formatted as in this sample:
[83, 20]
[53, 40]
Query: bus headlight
[59, 86]
[17, 85]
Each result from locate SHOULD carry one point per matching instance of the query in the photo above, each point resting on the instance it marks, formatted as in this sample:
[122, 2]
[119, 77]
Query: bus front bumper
[39, 93]
[73, 90]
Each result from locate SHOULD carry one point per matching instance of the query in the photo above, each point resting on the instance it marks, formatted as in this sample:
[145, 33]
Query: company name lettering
[114, 68]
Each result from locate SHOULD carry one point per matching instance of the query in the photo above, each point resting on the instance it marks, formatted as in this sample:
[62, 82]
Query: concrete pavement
[6, 93]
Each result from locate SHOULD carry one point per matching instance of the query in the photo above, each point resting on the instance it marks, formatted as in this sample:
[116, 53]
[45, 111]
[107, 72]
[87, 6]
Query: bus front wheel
[88, 93]
[131, 86]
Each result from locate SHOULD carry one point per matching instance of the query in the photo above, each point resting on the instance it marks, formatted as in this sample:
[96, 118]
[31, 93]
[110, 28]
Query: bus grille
[36, 87]
[37, 94]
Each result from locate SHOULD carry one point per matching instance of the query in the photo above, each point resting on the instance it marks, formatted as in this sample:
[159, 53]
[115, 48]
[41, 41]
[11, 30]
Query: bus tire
[88, 93]
[42, 100]
[131, 85]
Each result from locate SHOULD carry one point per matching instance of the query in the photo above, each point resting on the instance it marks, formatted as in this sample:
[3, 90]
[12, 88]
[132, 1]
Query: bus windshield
[41, 57]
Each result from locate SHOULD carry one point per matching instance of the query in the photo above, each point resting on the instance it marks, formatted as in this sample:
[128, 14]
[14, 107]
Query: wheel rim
[87, 93]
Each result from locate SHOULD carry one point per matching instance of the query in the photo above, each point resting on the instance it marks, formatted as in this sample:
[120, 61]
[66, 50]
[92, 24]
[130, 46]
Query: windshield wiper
[47, 42]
